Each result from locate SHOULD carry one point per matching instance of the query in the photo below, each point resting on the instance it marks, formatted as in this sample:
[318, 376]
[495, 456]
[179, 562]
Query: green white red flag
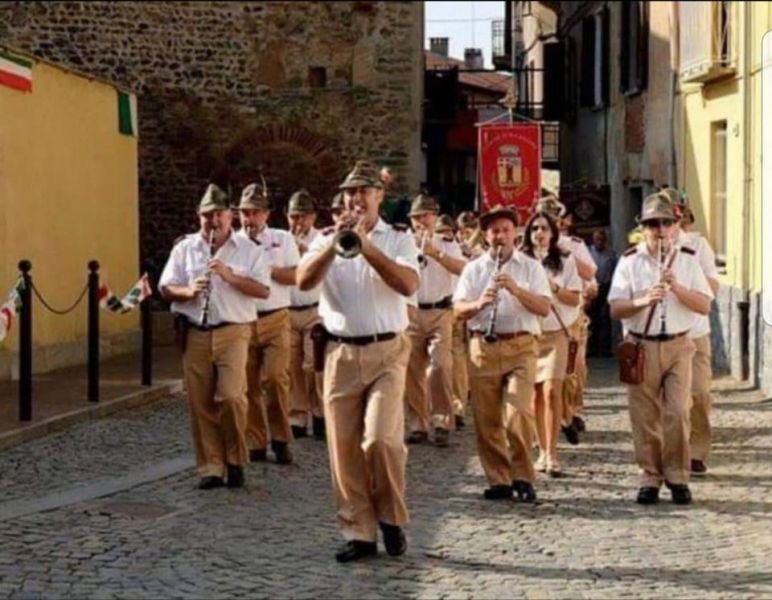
[10, 308]
[15, 71]
[130, 301]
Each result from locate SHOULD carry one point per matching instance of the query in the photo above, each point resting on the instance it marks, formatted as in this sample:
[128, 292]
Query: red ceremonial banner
[510, 166]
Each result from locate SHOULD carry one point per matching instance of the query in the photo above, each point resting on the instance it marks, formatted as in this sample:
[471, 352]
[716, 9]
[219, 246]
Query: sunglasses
[657, 223]
[540, 228]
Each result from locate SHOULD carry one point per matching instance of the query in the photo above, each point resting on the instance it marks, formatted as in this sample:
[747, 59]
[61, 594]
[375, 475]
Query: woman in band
[540, 241]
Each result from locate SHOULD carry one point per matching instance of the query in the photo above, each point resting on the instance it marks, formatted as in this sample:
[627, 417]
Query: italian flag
[10, 308]
[15, 72]
[127, 113]
[139, 291]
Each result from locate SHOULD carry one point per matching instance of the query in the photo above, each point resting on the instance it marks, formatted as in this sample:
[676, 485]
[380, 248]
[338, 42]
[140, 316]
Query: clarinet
[490, 335]
[663, 305]
[208, 291]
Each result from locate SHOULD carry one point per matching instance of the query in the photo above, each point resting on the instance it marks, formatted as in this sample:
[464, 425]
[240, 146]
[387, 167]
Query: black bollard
[93, 331]
[147, 340]
[25, 343]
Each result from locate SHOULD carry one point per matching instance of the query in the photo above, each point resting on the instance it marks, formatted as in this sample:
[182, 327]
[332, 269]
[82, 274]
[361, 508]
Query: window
[595, 52]
[569, 80]
[718, 213]
[634, 55]
[705, 41]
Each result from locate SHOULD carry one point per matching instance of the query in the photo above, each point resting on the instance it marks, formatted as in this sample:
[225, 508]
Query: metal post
[93, 331]
[147, 340]
[25, 343]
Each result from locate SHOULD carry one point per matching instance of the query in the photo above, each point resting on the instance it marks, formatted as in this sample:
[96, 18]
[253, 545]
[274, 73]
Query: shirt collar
[380, 226]
[517, 256]
[202, 242]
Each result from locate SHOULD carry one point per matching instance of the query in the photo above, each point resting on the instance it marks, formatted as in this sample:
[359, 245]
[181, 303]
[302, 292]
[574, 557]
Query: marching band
[377, 335]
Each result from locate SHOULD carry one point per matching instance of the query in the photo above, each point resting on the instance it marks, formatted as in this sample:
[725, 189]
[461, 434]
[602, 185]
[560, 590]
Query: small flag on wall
[15, 72]
[10, 308]
[127, 113]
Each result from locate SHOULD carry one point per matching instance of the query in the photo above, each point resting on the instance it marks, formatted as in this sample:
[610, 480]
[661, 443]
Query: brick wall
[225, 90]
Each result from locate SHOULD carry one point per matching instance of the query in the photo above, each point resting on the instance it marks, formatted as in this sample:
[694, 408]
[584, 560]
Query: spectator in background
[605, 258]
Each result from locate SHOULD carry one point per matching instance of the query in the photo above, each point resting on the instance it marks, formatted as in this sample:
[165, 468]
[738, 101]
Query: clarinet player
[659, 291]
[213, 279]
[501, 295]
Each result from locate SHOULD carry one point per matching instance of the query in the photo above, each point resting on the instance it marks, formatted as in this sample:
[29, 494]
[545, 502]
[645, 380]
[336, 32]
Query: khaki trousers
[363, 389]
[431, 360]
[502, 379]
[268, 381]
[460, 354]
[573, 405]
[659, 412]
[702, 401]
[214, 364]
[305, 384]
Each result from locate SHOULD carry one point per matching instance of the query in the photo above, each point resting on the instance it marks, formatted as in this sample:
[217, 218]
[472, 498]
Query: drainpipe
[745, 257]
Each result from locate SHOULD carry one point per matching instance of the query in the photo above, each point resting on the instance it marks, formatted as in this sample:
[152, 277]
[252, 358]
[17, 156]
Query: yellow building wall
[68, 194]
[724, 100]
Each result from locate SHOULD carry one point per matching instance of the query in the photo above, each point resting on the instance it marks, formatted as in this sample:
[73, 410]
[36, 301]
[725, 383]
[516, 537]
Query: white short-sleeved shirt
[436, 281]
[578, 248]
[189, 260]
[355, 300]
[637, 271]
[282, 252]
[297, 296]
[512, 316]
[707, 259]
[568, 279]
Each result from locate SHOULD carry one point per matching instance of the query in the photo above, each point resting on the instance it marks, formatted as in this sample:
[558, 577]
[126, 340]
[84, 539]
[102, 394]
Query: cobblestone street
[585, 537]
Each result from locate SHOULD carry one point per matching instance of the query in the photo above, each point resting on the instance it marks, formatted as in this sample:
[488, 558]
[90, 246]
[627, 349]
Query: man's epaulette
[688, 250]
[449, 238]
[630, 251]
[255, 240]
[328, 230]
[577, 239]
[179, 239]
[400, 226]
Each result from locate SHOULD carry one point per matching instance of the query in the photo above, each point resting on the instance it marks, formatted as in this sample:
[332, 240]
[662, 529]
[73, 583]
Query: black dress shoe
[393, 539]
[680, 493]
[460, 422]
[355, 549]
[648, 495]
[210, 483]
[298, 431]
[698, 467]
[524, 491]
[282, 452]
[259, 455]
[417, 437]
[320, 431]
[235, 476]
[441, 437]
[572, 435]
[498, 492]
[578, 423]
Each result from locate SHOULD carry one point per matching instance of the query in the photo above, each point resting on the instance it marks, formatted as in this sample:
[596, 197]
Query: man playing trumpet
[234, 274]
[515, 289]
[659, 291]
[366, 274]
[431, 329]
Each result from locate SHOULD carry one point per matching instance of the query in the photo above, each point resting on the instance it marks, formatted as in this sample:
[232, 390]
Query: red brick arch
[290, 158]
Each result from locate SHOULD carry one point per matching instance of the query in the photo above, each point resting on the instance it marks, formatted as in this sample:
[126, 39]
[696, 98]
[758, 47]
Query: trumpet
[490, 335]
[208, 290]
[347, 242]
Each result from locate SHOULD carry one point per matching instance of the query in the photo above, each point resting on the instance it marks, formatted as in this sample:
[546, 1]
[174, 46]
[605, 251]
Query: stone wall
[295, 90]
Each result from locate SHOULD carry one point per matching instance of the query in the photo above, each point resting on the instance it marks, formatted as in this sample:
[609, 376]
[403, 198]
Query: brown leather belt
[304, 307]
[261, 314]
[446, 302]
[362, 340]
[662, 337]
[502, 336]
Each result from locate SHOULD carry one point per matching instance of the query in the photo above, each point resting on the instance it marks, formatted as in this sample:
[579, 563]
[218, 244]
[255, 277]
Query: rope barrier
[52, 309]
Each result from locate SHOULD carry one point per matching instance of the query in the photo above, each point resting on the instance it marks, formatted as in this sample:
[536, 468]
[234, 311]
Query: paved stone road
[585, 538]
